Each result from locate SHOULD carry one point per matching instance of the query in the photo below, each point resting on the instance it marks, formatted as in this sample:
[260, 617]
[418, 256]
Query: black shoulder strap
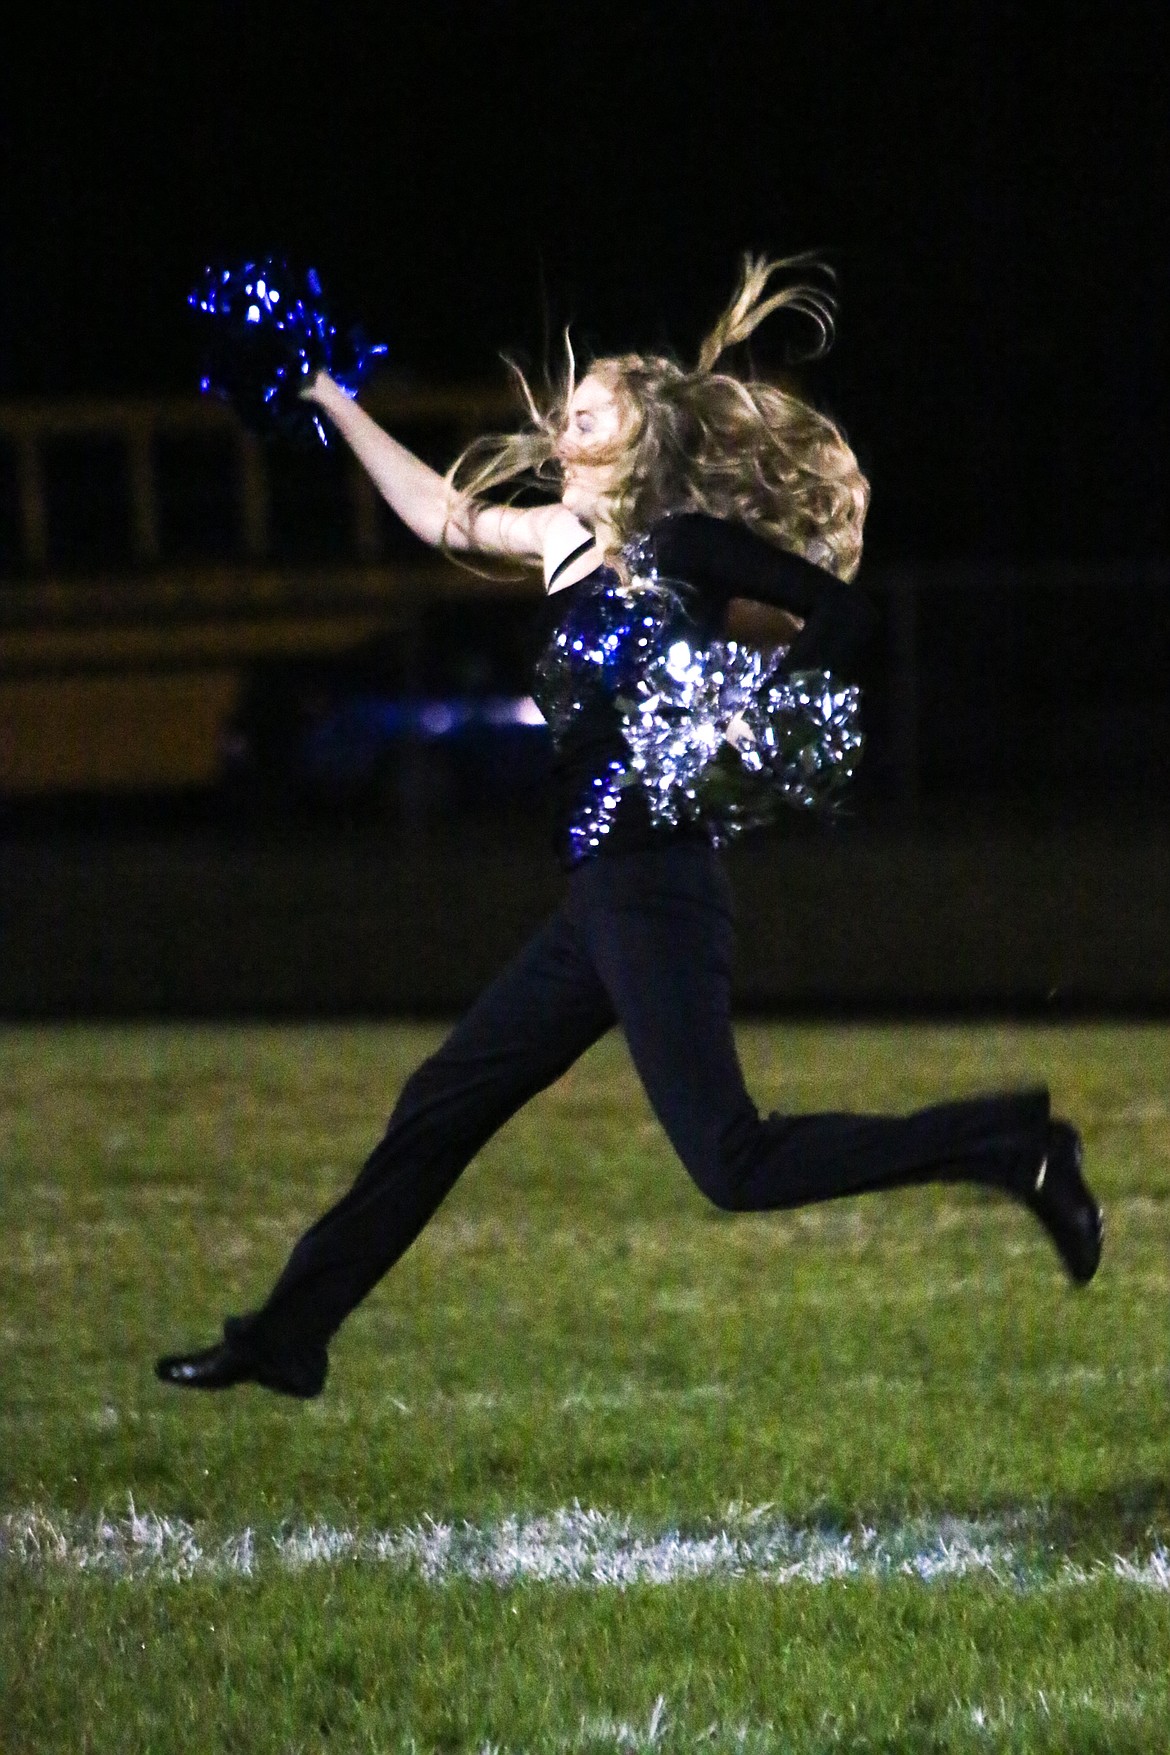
[573, 555]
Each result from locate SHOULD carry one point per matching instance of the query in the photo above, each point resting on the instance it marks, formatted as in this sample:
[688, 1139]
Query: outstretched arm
[422, 499]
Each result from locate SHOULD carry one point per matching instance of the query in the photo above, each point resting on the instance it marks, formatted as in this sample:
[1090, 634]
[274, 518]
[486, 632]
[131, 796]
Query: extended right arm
[422, 499]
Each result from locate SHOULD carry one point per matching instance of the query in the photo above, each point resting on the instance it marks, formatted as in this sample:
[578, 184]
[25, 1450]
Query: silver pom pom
[719, 736]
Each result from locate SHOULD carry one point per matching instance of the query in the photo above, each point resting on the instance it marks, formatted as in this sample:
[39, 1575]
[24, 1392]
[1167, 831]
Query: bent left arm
[732, 561]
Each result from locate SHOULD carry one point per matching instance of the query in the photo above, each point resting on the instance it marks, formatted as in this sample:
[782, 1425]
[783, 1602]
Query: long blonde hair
[705, 440]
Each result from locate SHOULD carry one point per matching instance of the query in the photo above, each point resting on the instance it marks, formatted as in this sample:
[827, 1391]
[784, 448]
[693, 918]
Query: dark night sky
[990, 181]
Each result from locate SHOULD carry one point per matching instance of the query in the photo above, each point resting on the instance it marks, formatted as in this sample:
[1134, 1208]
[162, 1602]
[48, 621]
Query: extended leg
[661, 938]
[532, 1023]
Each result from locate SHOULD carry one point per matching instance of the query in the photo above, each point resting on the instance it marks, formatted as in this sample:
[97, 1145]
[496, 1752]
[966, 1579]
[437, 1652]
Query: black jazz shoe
[1063, 1202]
[216, 1367]
[223, 1365]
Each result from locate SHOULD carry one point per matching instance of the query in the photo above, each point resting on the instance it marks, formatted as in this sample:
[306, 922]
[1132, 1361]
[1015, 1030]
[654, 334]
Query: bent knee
[722, 1172]
[724, 1192]
[721, 1176]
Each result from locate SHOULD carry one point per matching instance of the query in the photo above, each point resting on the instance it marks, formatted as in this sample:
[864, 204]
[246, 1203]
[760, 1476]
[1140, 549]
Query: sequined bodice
[606, 635]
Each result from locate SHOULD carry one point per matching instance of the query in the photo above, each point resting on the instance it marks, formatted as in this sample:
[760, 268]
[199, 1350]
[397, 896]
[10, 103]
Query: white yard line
[571, 1547]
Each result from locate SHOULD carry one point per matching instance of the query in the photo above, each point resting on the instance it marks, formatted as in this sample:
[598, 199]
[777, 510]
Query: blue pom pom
[267, 334]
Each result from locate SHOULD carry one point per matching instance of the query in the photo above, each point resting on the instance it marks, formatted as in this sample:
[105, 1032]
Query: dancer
[679, 491]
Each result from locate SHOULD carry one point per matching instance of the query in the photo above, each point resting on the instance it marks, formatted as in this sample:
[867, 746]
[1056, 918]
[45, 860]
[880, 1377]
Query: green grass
[577, 1326]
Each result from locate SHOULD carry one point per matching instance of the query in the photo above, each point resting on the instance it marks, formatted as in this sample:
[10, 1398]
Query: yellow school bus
[153, 554]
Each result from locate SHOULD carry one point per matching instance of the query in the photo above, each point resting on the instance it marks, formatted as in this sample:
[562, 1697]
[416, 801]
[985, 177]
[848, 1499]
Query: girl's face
[596, 425]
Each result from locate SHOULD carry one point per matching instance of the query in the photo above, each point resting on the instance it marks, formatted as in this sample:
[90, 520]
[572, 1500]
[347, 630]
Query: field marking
[574, 1547]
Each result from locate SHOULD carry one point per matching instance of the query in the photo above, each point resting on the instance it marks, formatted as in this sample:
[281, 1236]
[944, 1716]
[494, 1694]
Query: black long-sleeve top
[709, 561]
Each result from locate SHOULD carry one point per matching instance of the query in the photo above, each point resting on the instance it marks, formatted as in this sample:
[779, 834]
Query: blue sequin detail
[594, 816]
[602, 645]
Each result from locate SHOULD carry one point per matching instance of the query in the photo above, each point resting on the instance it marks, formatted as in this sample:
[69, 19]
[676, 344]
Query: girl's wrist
[314, 387]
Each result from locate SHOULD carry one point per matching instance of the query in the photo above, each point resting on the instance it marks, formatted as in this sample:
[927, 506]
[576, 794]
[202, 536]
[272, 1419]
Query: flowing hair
[704, 440]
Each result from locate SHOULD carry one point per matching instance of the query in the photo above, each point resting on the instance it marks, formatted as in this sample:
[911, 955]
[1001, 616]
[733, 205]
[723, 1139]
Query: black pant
[643, 939]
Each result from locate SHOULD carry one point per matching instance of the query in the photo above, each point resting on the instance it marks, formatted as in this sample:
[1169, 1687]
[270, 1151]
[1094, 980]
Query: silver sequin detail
[796, 739]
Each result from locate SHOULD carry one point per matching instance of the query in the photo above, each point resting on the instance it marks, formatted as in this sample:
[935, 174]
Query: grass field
[597, 1468]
